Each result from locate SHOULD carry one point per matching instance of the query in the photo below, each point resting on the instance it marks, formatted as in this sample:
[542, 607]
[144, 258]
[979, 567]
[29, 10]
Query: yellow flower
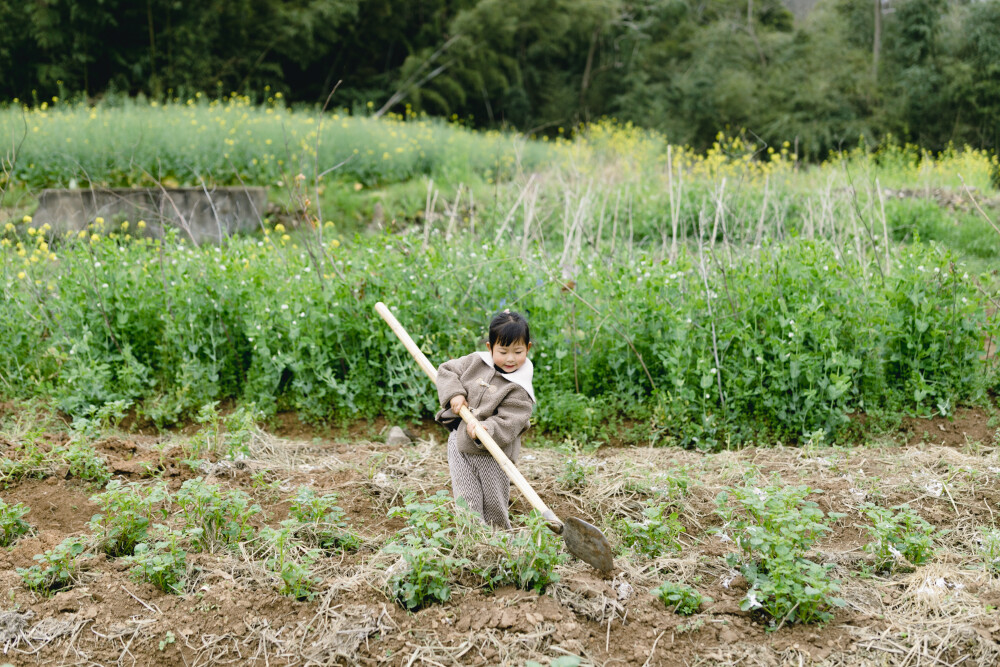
[335, 243]
[26, 219]
[99, 220]
[125, 225]
[141, 224]
[52, 256]
[21, 275]
[82, 234]
[31, 231]
[286, 237]
[4, 243]
[279, 227]
[95, 238]
[8, 227]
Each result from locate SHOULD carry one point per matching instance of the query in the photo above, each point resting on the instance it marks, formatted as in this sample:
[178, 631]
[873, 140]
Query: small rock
[397, 437]
[727, 636]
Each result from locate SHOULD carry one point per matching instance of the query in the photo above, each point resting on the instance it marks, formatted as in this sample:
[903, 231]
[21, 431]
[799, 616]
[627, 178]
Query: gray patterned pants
[481, 481]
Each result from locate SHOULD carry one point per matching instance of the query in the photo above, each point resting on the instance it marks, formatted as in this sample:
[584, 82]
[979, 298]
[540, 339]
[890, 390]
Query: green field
[729, 297]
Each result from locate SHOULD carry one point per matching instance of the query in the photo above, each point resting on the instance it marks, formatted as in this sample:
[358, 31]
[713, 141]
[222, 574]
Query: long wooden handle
[484, 437]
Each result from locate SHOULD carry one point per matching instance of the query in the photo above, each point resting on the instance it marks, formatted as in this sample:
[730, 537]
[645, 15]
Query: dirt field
[942, 613]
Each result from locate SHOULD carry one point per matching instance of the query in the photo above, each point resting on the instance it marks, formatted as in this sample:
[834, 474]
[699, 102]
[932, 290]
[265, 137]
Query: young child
[496, 385]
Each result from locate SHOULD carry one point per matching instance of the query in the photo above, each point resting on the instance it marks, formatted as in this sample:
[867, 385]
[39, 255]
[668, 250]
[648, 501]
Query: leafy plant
[655, 534]
[27, 460]
[214, 516]
[297, 578]
[84, 462]
[790, 588]
[574, 474]
[901, 537]
[12, 523]
[680, 598]
[128, 510]
[431, 520]
[164, 564]
[989, 550]
[425, 573]
[57, 568]
[774, 527]
[324, 520]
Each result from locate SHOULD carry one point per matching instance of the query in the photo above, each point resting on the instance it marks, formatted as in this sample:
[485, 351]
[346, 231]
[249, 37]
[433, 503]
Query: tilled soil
[231, 612]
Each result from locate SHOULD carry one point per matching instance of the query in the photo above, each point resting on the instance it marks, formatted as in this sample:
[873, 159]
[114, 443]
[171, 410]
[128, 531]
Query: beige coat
[502, 402]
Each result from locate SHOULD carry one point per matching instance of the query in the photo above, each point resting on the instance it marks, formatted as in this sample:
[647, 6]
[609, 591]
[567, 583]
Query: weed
[57, 569]
[680, 598]
[656, 534]
[27, 460]
[12, 523]
[431, 521]
[774, 527]
[324, 520]
[98, 419]
[167, 640]
[536, 554]
[213, 516]
[298, 581]
[84, 463]
[902, 538]
[790, 589]
[574, 475]
[127, 512]
[425, 576]
[989, 550]
[164, 564]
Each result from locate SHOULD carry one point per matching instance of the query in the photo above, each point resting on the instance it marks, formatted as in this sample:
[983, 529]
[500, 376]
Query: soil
[948, 470]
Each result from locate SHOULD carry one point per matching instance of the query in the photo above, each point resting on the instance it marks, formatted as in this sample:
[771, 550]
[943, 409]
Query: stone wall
[201, 216]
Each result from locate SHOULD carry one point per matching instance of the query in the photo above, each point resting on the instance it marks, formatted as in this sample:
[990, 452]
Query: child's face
[509, 357]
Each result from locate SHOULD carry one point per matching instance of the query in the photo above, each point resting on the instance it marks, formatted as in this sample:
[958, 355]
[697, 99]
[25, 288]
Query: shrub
[680, 598]
[213, 516]
[57, 567]
[128, 511]
[902, 537]
[12, 523]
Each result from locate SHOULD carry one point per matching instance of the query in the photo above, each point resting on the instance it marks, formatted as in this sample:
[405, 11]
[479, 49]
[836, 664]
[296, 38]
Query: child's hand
[471, 430]
[457, 402]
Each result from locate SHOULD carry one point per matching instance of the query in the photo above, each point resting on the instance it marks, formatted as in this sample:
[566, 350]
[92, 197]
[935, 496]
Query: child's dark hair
[508, 328]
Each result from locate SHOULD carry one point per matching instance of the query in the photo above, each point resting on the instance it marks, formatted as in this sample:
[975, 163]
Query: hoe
[582, 539]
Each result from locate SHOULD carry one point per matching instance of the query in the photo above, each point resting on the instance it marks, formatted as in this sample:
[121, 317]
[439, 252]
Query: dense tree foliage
[926, 71]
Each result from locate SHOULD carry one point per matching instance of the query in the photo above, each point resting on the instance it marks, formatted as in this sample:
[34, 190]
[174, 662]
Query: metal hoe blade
[587, 543]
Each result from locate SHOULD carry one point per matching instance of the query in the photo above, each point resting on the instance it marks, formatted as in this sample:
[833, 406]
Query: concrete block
[204, 217]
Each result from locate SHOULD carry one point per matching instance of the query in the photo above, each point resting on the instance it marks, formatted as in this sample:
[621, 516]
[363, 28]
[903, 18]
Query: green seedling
[901, 537]
[657, 532]
[680, 598]
[163, 564]
[128, 510]
[57, 568]
[12, 523]
[214, 517]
